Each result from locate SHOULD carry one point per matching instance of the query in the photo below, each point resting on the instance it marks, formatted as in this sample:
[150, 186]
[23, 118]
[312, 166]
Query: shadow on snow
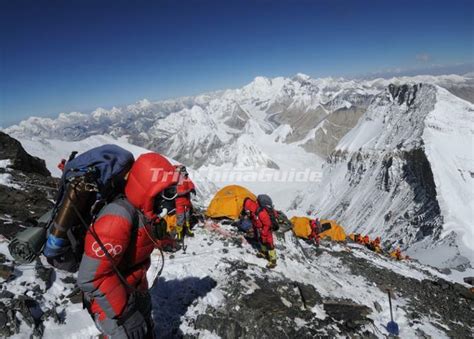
[171, 299]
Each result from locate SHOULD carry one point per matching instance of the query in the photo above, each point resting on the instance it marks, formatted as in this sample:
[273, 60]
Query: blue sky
[62, 56]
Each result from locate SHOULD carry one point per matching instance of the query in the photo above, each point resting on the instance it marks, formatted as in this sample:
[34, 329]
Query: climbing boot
[179, 233]
[263, 253]
[189, 232]
[272, 259]
[271, 264]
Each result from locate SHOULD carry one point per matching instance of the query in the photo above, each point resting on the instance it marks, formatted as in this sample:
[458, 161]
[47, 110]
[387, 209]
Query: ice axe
[392, 326]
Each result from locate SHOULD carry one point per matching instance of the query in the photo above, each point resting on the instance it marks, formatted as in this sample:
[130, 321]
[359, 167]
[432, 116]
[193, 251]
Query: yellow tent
[228, 202]
[332, 230]
[301, 226]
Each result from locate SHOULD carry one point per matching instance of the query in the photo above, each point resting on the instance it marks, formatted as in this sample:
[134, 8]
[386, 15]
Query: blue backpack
[89, 181]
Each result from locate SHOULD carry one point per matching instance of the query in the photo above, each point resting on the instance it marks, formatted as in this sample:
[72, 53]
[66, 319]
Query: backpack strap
[102, 247]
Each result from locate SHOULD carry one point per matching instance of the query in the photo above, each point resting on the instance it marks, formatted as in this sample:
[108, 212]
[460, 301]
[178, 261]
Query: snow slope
[198, 281]
[449, 146]
[404, 173]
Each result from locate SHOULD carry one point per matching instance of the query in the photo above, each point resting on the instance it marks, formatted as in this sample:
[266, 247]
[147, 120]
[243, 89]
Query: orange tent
[301, 226]
[228, 202]
[332, 230]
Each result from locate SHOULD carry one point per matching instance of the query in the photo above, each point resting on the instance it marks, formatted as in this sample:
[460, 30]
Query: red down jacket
[184, 188]
[261, 222]
[125, 239]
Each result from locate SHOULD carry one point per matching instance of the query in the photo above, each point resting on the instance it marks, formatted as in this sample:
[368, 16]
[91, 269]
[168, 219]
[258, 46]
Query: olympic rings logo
[113, 250]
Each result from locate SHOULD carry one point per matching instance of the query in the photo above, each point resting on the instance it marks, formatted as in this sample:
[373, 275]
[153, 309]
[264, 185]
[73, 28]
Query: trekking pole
[182, 231]
[392, 326]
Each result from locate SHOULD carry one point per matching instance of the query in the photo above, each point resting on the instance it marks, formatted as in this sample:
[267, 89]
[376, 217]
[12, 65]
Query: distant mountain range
[385, 170]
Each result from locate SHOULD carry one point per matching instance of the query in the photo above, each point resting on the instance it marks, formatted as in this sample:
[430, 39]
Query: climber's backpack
[283, 222]
[89, 181]
[266, 203]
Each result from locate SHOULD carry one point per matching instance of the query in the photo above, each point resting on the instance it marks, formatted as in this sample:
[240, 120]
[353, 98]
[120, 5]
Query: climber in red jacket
[315, 230]
[262, 226]
[184, 206]
[112, 273]
[62, 164]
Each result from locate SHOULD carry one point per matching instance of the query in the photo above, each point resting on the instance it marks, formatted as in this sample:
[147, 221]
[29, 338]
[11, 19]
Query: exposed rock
[6, 271]
[309, 295]
[53, 314]
[351, 314]
[469, 280]
[332, 129]
[11, 149]
[45, 274]
[278, 308]
[6, 295]
[30, 312]
[75, 296]
[69, 280]
[441, 298]
[23, 206]
[404, 93]
[377, 306]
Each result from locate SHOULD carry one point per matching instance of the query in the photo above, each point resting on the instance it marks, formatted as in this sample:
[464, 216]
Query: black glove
[134, 325]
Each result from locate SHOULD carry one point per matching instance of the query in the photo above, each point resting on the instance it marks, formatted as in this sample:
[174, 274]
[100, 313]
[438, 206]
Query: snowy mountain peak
[402, 173]
[144, 103]
[301, 77]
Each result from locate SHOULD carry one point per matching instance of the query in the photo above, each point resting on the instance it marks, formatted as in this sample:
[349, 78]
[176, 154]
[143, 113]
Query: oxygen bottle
[77, 202]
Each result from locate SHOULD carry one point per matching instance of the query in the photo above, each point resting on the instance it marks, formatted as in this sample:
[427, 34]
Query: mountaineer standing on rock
[263, 219]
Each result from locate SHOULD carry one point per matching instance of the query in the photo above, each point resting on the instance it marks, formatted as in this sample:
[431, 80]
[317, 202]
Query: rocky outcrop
[33, 189]
[332, 129]
[20, 160]
[259, 304]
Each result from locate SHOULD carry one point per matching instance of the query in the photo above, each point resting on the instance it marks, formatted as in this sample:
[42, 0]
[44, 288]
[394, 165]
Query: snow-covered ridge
[404, 173]
[449, 146]
[211, 120]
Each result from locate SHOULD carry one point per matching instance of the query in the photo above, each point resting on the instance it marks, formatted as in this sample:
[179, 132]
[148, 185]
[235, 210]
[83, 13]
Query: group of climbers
[375, 245]
[313, 229]
[136, 217]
